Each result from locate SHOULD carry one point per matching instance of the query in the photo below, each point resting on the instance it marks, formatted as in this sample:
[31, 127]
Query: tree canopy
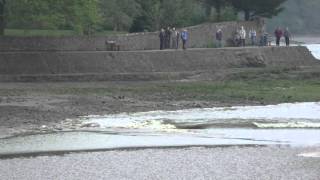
[89, 16]
[2, 14]
[254, 8]
[217, 4]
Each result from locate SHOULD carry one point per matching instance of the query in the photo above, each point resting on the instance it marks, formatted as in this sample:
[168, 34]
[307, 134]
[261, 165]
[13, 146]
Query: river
[296, 124]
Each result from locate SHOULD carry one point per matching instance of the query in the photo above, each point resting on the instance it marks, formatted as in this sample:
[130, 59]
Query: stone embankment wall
[28, 66]
[200, 36]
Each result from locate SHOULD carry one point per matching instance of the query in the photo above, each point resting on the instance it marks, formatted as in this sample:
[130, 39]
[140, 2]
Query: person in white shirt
[243, 35]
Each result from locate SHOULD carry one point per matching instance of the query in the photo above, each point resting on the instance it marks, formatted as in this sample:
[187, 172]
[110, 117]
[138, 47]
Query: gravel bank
[190, 163]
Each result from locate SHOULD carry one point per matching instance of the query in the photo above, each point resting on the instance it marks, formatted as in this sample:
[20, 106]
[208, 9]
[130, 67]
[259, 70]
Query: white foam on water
[310, 155]
[294, 115]
[315, 50]
[288, 125]
[157, 129]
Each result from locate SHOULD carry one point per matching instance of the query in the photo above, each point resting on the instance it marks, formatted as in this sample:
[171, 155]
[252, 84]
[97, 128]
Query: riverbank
[40, 107]
[28, 106]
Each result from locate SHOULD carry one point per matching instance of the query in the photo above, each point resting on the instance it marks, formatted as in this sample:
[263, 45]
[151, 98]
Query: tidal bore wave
[284, 124]
[297, 115]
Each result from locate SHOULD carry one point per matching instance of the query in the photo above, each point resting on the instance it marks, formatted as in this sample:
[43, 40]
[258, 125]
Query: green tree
[2, 16]
[181, 13]
[217, 4]
[80, 15]
[170, 12]
[254, 8]
[29, 14]
[191, 13]
[119, 14]
[149, 17]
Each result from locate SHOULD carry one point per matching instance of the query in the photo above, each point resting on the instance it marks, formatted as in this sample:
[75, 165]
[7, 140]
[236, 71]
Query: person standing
[219, 36]
[184, 37]
[236, 38]
[278, 34]
[162, 39]
[287, 36]
[243, 35]
[269, 39]
[253, 36]
[167, 38]
[175, 38]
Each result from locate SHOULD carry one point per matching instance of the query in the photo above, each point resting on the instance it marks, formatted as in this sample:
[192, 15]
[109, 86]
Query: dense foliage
[89, 16]
[253, 8]
[2, 14]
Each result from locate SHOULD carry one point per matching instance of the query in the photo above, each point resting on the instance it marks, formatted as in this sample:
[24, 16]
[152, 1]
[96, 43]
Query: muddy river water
[295, 124]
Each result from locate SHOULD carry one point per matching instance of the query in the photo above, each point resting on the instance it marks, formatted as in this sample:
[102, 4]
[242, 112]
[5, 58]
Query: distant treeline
[90, 16]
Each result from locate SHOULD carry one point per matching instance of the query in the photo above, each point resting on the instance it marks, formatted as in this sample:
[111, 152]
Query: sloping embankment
[142, 65]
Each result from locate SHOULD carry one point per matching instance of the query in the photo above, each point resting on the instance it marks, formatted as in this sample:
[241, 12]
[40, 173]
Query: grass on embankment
[273, 91]
[250, 86]
[234, 92]
[265, 86]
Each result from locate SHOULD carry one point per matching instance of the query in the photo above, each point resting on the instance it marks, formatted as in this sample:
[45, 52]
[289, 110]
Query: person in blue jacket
[184, 37]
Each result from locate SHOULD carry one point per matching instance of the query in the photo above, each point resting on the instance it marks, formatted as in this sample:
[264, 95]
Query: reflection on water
[285, 124]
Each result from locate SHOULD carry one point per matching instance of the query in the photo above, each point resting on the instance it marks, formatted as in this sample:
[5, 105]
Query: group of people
[279, 33]
[170, 38]
[240, 35]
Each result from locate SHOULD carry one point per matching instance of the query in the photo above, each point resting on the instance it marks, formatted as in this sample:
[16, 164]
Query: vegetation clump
[86, 17]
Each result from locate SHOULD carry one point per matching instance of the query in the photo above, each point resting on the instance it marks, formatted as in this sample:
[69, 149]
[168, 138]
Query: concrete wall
[14, 64]
[200, 36]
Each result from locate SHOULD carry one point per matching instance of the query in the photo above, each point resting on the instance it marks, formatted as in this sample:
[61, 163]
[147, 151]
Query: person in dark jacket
[236, 38]
[287, 36]
[175, 36]
[278, 34]
[162, 39]
[167, 38]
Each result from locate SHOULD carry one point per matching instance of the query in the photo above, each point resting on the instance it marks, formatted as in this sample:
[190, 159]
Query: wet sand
[187, 163]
